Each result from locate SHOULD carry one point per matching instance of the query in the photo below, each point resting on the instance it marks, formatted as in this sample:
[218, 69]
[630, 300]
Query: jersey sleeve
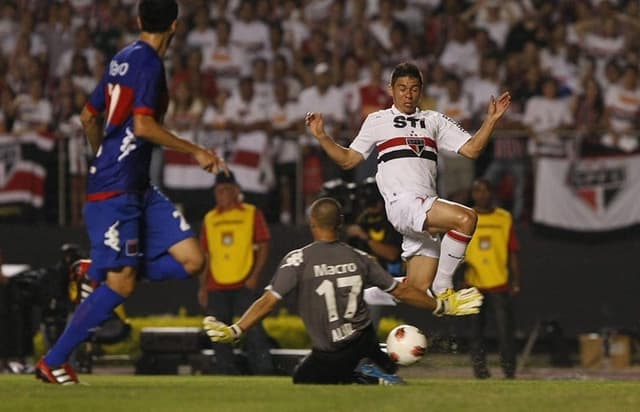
[365, 141]
[286, 278]
[375, 275]
[450, 135]
[147, 88]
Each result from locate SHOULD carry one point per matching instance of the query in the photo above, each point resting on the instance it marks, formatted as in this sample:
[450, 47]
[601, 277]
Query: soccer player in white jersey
[408, 140]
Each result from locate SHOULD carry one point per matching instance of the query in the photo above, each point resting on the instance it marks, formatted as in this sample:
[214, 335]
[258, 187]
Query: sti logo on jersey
[402, 121]
[596, 184]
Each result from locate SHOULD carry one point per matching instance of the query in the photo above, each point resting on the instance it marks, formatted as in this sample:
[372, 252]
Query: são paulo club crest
[596, 184]
[416, 143]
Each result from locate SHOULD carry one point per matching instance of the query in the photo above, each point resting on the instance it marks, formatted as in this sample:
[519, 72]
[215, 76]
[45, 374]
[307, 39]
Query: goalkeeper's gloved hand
[221, 332]
[459, 303]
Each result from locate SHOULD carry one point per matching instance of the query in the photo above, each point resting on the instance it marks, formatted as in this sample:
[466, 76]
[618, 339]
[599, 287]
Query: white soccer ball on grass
[406, 344]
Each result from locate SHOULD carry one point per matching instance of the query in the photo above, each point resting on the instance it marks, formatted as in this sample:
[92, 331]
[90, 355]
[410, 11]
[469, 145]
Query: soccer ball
[406, 345]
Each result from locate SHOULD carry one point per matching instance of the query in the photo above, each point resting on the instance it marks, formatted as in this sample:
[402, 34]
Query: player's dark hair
[406, 69]
[326, 213]
[156, 16]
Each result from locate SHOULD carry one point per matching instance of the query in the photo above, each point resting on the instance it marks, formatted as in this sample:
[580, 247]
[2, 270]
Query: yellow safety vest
[487, 256]
[230, 243]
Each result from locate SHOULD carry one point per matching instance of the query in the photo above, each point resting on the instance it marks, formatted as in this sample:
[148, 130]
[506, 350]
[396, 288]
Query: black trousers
[499, 306]
[337, 367]
[224, 305]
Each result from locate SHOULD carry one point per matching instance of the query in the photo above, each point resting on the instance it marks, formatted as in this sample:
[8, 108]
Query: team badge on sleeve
[295, 258]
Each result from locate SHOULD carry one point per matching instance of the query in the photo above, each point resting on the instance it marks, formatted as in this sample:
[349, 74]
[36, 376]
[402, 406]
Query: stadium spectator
[278, 45]
[281, 71]
[374, 96]
[492, 267]
[252, 160]
[227, 61]
[622, 105]
[482, 86]
[286, 129]
[78, 152]
[235, 238]
[509, 161]
[81, 45]
[117, 208]
[382, 25]
[327, 98]
[33, 110]
[407, 175]
[202, 32]
[455, 172]
[588, 112]
[460, 55]
[189, 70]
[343, 339]
[215, 132]
[548, 116]
[248, 33]
[262, 84]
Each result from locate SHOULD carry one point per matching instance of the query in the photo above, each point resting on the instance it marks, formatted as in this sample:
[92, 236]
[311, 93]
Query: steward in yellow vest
[235, 239]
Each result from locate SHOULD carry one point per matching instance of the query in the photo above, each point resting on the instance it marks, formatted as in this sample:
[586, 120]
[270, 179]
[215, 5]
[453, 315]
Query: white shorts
[407, 213]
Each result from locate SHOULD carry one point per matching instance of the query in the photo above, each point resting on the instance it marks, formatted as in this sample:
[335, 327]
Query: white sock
[454, 245]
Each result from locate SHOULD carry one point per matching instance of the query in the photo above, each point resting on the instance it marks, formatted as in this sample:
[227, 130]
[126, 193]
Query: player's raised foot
[62, 375]
[371, 371]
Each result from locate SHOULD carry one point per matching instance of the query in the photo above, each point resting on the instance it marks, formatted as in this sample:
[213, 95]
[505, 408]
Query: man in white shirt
[546, 116]
[408, 140]
[622, 106]
[329, 100]
[225, 60]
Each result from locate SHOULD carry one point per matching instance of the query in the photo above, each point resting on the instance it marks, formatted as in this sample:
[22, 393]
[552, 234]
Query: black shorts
[337, 367]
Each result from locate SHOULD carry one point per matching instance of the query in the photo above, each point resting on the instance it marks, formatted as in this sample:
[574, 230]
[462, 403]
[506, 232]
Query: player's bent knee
[467, 221]
[122, 281]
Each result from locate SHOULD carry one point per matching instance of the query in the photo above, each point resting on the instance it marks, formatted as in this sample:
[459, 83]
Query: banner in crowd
[248, 159]
[182, 172]
[589, 194]
[23, 160]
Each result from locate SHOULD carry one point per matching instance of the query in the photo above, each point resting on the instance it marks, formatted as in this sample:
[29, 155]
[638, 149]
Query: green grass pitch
[248, 394]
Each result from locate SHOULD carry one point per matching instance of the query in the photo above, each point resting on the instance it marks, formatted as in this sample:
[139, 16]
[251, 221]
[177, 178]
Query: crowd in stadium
[243, 73]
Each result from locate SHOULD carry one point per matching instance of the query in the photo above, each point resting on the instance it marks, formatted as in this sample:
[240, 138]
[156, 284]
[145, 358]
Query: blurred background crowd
[242, 74]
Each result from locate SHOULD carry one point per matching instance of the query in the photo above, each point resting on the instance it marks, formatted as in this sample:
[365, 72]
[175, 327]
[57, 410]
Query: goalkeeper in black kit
[329, 277]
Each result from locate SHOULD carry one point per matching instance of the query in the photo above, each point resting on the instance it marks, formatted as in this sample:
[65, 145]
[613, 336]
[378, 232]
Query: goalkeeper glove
[220, 331]
[459, 303]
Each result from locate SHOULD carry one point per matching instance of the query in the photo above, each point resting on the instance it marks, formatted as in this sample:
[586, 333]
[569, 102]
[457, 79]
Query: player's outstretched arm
[223, 333]
[497, 108]
[344, 157]
[148, 128]
[414, 296]
[462, 302]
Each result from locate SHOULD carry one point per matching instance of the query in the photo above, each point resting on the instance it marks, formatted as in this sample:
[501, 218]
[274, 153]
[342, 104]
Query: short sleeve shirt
[329, 278]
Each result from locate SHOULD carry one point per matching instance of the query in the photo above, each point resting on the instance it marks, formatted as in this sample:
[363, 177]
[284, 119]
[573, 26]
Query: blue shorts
[126, 229]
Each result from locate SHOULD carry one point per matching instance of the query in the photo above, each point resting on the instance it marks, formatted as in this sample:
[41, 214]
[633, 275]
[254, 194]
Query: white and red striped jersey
[408, 148]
